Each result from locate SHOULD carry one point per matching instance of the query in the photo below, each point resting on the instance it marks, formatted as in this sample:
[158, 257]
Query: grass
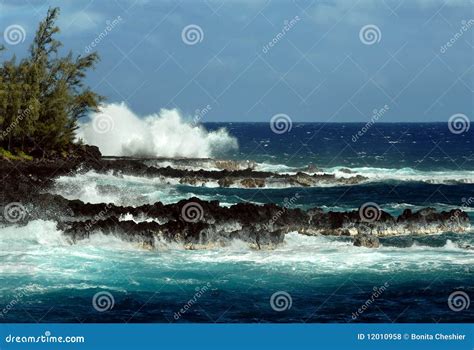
[20, 155]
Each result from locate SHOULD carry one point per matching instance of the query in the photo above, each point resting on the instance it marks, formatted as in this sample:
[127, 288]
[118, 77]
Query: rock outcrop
[365, 240]
[195, 223]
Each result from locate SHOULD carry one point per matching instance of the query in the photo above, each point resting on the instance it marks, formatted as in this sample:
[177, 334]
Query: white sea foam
[382, 174]
[104, 261]
[407, 174]
[330, 255]
[93, 187]
[118, 131]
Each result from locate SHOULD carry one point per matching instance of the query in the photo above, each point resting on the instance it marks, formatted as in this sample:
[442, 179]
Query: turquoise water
[43, 278]
[328, 279]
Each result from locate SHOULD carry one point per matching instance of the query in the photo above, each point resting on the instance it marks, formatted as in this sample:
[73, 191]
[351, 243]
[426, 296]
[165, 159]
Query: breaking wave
[118, 131]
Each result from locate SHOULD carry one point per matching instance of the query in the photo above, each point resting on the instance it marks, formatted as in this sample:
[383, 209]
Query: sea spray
[118, 131]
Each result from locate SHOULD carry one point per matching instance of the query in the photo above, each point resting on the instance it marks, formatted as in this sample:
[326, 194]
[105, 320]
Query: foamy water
[118, 131]
[40, 249]
[327, 277]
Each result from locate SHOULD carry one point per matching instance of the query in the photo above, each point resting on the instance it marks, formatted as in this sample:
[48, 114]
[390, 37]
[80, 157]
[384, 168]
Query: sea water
[44, 278]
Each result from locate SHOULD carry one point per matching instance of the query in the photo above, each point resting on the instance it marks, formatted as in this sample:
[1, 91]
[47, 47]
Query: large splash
[118, 131]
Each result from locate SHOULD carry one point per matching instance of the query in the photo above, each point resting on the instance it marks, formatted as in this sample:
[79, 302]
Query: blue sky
[318, 69]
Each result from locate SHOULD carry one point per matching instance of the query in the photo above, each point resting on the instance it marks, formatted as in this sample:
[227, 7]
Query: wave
[375, 174]
[406, 174]
[118, 131]
[126, 190]
[39, 249]
[43, 233]
[36, 237]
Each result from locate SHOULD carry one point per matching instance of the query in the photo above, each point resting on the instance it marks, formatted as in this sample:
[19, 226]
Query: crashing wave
[118, 131]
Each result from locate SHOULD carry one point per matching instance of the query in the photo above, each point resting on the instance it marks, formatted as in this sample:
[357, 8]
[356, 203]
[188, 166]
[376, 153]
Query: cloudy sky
[333, 60]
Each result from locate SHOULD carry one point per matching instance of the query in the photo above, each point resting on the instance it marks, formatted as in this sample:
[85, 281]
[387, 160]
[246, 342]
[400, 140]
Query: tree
[42, 96]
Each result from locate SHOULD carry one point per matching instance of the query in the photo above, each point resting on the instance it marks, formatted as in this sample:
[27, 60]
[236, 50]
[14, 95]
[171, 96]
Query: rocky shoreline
[195, 223]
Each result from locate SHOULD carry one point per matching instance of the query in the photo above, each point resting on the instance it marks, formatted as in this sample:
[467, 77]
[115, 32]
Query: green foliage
[10, 156]
[7, 155]
[43, 95]
[23, 156]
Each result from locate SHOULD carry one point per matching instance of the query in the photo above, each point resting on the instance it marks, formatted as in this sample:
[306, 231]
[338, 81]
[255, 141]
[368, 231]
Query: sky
[248, 60]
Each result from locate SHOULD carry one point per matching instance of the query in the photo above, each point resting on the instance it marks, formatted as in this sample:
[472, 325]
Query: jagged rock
[261, 226]
[252, 183]
[365, 240]
[346, 171]
[304, 179]
[188, 181]
[232, 165]
[225, 182]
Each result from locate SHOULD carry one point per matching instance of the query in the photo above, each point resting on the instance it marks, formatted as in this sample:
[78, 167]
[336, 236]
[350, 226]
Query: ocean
[412, 278]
